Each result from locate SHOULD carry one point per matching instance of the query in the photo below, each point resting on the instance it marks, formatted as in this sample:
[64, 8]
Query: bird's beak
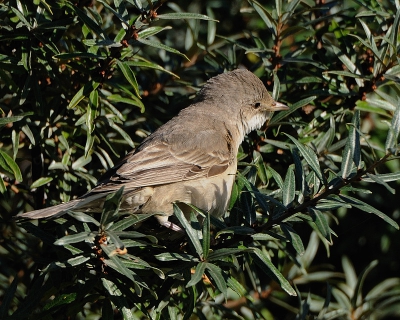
[267, 106]
[277, 106]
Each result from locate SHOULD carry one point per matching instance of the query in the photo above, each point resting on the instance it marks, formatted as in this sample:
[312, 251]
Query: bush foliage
[83, 82]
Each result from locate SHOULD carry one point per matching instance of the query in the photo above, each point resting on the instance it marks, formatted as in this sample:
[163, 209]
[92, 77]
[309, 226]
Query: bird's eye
[257, 105]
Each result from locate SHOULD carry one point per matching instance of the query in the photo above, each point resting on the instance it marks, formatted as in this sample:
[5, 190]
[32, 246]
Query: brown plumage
[191, 158]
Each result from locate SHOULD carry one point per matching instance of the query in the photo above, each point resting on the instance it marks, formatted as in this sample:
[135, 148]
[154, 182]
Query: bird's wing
[161, 162]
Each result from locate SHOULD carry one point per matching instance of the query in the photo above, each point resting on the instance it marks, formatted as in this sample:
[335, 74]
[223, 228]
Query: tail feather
[54, 211]
[60, 209]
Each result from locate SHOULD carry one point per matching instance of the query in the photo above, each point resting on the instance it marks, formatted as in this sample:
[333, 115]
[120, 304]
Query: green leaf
[119, 16]
[116, 262]
[367, 208]
[72, 262]
[83, 217]
[173, 256]
[8, 164]
[130, 221]
[275, 90]
[62, 299]
[358, 289]
[321, 222]
[394, 129]
[211, 26]
[92, 108]
[218, 278]
[40, 182]
[115, 295]
[111, 207]
[161, 46]
[148, 64]
[25, 129]
[393, 33]
[331, 204]
[348, 63]
[326, 140]
[310, 157]
[85, 91]
[221, 254]
[352, 151]
[21, 17]
[386, 177]
[345, 74]
[377, 179]
[265, 16]
[293, 237]
[300, 176]
[198, 274]
[15, 136]
[74, 238]
[81, 162]
[122, 132]
[131, 100]
[184, 15]
[80, 55]
[192, 233]
[2, 186]
[262, 202]
[114, 239]
[235, 230]
[278, 116]
[206, 235]
[129, 75]
[237, 287]
[289, 187]
[7, 120]
[90, 23]
[89, 143]
[267, 266]
[151, 31]
[278, 179]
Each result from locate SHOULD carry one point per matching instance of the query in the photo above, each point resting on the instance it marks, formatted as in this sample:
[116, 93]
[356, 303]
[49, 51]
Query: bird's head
[242, 96]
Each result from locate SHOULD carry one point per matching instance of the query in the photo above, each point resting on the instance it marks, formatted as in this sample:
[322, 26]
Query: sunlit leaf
[184, 15]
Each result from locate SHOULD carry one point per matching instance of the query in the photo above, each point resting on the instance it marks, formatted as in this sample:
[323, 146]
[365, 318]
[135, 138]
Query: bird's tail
[58, 210]
[53, 212]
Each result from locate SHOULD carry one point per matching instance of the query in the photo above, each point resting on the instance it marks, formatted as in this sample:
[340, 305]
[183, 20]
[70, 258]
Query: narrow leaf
[367, 208]
[206, 235]
[151, 31]
[129, 75]
[74, 238]
[184, 15]
[161, 46]
[192, 233]
[352, 151]
[267, 266]
[321, 223]
[82, 93]
[218, 277]
[293, 237]
[391, 140]
[289, 187]
[309, 155]
[376, 179]
[9, 165]
[198, 274]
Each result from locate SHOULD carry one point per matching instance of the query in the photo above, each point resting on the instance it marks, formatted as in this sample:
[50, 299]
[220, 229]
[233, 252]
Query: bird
[190, 159]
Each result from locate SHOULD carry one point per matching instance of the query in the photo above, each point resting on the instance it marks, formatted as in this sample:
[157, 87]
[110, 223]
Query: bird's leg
[173, 226]
[163, 220]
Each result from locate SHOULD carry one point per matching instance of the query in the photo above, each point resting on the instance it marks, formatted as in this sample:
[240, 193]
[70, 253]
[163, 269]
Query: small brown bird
[191, 158]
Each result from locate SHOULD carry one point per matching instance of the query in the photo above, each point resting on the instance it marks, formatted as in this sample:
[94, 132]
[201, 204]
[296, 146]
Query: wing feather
[163, 163]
